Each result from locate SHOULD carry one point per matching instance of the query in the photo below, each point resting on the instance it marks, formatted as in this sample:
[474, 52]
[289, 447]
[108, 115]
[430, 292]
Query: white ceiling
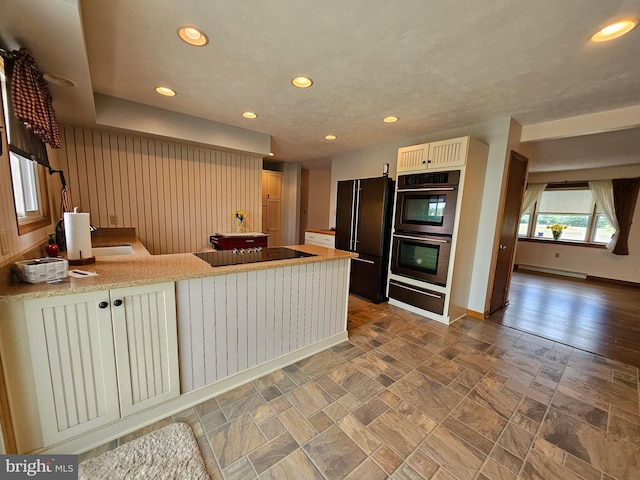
[437, 65]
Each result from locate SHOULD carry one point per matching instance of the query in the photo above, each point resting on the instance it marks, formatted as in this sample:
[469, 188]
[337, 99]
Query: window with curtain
[572, 206]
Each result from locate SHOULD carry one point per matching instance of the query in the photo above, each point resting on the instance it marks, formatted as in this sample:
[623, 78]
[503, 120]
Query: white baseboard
[553, 271]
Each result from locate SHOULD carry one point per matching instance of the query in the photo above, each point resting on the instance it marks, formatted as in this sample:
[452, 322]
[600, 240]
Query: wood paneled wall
[175, 195]
[230, 323]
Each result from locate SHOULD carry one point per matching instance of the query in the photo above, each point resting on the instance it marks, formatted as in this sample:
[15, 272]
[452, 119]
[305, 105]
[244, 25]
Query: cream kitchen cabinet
[435, 155]
[320, 239]
[101, 356]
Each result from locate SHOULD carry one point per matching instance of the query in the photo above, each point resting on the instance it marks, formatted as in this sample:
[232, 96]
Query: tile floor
[407, 398]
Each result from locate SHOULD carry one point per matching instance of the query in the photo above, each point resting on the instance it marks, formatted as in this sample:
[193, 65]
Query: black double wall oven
[424, 223]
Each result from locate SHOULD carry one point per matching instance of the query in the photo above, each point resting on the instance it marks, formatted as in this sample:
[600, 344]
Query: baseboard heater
[417, 296]
[553, 271]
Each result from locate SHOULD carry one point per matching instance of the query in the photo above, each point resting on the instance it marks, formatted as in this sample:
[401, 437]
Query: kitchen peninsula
[91, 359]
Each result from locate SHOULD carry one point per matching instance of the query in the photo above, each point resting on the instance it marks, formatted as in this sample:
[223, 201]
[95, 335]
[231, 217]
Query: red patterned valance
[32, 101]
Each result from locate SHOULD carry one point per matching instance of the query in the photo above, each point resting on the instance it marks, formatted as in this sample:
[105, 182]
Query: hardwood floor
[599, 317]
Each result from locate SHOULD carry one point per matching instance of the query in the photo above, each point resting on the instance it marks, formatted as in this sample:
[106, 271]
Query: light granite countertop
[323, 231]
[142, 268]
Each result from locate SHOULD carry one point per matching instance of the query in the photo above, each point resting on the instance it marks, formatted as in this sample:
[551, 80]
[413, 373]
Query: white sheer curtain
[602, 192]
[531, 196]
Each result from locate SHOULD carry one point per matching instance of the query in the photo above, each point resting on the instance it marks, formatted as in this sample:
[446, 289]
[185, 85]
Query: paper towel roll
[78, 235]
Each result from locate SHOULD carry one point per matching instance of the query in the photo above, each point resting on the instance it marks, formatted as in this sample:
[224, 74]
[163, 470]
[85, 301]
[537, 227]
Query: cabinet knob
[103, 305]
[117, 302]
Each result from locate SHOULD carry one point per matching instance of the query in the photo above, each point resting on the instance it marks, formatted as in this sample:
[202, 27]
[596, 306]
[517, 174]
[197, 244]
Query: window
[572, 206]
[29, 193]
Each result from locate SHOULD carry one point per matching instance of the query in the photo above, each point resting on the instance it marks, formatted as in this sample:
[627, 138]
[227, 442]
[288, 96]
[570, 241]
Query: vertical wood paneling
[175, 195]
[146, 345]
[221, 328]
[72, 353]
[286, 309]
[269, 333]
[293, 325]
[241, 315]
[252, 320]
[185, 335]
[261, 305]
[230, 323]
[197, 328]
[208, 330]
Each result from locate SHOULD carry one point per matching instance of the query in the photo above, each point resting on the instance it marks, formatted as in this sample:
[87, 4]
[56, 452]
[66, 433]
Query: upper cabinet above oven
[435, 155]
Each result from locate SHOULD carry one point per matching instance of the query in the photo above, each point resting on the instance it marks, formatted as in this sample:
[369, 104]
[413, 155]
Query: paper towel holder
[82, 261]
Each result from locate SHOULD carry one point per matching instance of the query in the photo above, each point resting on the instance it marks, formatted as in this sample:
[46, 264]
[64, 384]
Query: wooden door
[509, 231]
[272, 206]
[146, 344]
[71, 343]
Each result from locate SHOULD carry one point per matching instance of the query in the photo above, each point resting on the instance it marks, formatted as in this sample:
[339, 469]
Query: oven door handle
[391, 282]
[428, 239]
[427, 189]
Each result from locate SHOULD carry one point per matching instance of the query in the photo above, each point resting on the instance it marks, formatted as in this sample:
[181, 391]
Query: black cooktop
[220, 258]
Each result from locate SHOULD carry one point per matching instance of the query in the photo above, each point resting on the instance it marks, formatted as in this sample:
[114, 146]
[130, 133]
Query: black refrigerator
[363, 225]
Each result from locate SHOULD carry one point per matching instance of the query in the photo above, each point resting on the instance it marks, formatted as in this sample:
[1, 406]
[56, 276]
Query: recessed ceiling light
[302, 82]
[249, 115]
[193, 36]
[330, 137]
[59, 80]
[390, 119]
[615, 30]
[166, 91]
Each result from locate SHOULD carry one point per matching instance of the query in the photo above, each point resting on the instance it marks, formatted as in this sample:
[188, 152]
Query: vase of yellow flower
[240, 216]
[556, 230]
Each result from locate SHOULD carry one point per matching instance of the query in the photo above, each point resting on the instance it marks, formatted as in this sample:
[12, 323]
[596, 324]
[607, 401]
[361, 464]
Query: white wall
[368, 162]
[590, 261]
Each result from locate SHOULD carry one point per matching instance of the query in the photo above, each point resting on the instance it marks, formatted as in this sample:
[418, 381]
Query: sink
[112, 250]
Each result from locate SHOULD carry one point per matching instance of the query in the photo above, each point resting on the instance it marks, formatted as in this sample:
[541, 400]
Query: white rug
[168, 453]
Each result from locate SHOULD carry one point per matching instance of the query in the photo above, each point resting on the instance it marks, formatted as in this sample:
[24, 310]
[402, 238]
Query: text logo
[49, 467]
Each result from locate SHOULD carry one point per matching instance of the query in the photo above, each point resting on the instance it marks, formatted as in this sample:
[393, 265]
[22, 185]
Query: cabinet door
[413, 158]
[319, 239]
[448, 153]
[146, 344]
[274, 185]
[74, 369]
